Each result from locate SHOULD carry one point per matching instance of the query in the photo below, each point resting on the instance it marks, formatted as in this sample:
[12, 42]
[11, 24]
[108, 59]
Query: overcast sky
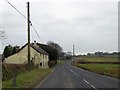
[92, 25]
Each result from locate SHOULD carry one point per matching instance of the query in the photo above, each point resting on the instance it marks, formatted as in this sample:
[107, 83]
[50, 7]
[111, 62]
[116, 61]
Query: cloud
[91, 26]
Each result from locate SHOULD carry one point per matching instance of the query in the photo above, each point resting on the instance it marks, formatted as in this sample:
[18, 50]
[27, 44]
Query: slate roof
[37, 48]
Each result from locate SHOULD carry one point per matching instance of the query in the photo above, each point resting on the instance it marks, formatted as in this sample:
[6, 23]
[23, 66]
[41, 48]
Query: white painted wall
[21, 58]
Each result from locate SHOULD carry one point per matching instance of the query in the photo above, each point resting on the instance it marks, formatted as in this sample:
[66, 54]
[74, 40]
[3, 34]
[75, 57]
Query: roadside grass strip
[28, 79]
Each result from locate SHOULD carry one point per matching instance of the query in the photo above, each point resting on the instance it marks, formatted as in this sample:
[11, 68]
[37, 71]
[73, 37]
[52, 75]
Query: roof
[37, 48]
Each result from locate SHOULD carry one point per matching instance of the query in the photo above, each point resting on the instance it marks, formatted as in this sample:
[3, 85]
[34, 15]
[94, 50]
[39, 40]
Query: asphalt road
[68, 76]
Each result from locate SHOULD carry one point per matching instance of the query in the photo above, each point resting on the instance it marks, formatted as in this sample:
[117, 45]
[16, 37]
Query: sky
[91, 25]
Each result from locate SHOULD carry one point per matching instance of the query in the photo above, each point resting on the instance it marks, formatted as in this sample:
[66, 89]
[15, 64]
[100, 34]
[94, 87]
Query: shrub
[11, 70]
[52, 63]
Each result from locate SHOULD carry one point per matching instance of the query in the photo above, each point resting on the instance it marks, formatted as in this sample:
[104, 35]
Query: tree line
[10, 50]
[103, 54]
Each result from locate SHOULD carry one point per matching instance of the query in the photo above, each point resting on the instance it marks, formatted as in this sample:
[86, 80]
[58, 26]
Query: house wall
[39, 60]
[0, 57]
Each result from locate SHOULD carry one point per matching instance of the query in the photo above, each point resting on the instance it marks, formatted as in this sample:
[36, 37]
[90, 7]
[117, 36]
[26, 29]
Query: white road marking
[93, 87]
[71, 70]
[86, 81]
[83, 79]
[89, 84]
[67, 67]
[75, 73]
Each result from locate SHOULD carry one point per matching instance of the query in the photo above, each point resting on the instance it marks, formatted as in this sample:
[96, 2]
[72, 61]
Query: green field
[104, 69]
[97, 59]
[28, 79]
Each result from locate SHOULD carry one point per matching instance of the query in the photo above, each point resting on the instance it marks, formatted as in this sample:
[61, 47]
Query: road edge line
[38, 86]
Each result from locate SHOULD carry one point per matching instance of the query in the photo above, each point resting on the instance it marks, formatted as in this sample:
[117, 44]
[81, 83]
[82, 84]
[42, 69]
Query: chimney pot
[35, 44]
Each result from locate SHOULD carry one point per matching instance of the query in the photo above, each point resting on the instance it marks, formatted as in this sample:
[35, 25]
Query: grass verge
[104, 69]
[28, 79]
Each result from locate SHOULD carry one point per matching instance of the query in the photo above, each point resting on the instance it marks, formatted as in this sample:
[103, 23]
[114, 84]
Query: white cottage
[38, 56]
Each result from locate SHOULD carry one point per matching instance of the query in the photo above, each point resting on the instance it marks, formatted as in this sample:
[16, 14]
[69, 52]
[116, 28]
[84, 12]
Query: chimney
[35, 44]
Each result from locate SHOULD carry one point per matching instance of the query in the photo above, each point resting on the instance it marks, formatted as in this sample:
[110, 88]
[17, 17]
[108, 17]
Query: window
[40, 64]
[43, 63]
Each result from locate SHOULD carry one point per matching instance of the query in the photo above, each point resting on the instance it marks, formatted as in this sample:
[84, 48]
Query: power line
[36, 32]
[16, 9]
[25, 18]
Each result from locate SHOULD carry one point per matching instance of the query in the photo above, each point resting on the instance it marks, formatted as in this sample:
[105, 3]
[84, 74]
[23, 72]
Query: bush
[52, 63]
[11, 70]
[5, 74]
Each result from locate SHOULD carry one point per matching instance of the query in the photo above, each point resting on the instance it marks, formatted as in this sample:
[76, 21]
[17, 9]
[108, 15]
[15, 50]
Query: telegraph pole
[73, 53]
[28, 20]
[2, 34]
[2, 37]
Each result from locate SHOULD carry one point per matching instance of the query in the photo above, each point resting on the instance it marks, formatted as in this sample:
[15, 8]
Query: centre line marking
[75, 73]
[93, 87]
[86, 81]
[89, 84]
[71, 70]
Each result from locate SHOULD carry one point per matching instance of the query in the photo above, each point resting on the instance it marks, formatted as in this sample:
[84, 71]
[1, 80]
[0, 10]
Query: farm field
[98, 59]
[104, 69]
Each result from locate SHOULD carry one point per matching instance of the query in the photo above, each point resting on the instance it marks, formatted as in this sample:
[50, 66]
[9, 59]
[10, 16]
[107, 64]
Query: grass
[104, 69]
[28, 79]
[98, 59]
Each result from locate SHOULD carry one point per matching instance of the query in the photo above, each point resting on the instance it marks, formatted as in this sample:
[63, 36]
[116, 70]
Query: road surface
[68, 76]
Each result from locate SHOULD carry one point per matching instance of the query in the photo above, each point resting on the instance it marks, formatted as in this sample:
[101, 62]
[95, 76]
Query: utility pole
[2, 37]
[73, 53]
[2, 34]
[28, 20]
